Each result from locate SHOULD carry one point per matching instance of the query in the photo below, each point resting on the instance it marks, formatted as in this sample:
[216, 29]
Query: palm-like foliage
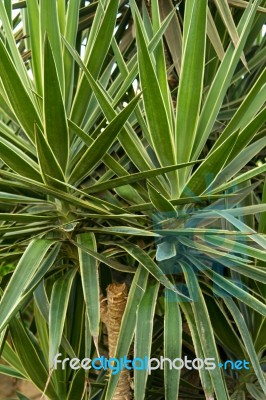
[129, 137]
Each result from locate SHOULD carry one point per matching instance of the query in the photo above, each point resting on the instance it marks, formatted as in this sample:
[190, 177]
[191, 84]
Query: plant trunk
[111, 315]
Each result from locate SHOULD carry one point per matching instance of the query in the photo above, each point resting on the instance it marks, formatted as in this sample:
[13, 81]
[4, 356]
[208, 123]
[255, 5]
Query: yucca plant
[132, 195]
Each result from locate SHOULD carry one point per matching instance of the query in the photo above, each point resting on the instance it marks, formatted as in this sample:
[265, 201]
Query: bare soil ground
[9, 387]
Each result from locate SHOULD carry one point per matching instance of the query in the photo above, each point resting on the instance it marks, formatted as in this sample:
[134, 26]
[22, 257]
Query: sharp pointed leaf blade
[90, 281]
[50, 26]
[227, 286]
[17, 94]
[48, 163]
[29, 357]
[248, 341]
[222, 80]
[71, 28]
[205, 329]
[157, 118]
[33, 14]
[12, 45]
[191, 79]
[172, 343]
[100, 146]
[224, 10]
[133, 178]
[57, 313]
[17, 160]
[143, 335]
[159, 201]
[195, 335]
[214, 36]
[99, 45]
[203, 177]
[146, 261]
[24, 273]
[56, 126]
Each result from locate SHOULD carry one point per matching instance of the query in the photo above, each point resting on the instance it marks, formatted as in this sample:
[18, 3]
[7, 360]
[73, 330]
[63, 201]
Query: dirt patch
[9, 387]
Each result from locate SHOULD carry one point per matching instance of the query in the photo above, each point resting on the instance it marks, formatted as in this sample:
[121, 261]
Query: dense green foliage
[131, 148]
